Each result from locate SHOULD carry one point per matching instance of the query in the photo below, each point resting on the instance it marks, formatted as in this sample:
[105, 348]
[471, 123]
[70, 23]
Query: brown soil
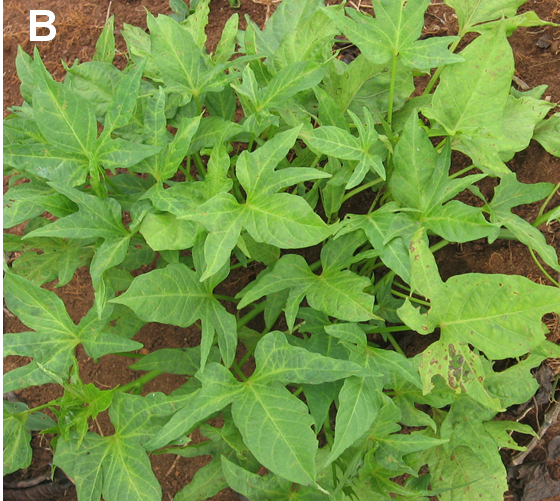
[79, 25]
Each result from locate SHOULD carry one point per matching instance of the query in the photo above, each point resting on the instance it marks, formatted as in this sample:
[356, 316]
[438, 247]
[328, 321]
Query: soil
[78, 26]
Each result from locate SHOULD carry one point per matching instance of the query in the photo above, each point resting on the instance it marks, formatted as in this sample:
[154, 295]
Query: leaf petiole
[361, 188]
[137, 385]
[392, 90]
[541, 218]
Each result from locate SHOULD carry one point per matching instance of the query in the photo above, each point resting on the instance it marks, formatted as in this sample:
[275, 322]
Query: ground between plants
[537, 58]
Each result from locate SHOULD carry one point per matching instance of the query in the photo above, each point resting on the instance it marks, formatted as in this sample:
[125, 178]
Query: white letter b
[34, 24]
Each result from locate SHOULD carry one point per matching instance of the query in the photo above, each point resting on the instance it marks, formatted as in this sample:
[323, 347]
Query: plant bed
[289, 214]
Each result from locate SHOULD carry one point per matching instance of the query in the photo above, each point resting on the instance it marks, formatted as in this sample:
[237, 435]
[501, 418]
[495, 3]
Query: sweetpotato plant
[195, 166]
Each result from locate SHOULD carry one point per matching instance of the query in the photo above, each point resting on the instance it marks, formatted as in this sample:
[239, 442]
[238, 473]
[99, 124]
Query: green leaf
[469, 14]
[139, 46]
[97, 217]
[165, 232]
[109, 254]
[421, 181]
[180, 59]
[388, 232]
[54, 258]
[337, 293]
[27, 200]
[206, 482]
[359, 402]
[226, 45]
[174, 295]
[176, 54]
[280, 219]
[277, 360]
[52, 345]
[463, 426]
[496, 314]
[511, 193]
[276, 426]
[288, 82]
[219, 389]
[175, 360]
[471, 98]
[267, 487]
[521, 116]
[79, 403]
[286, 18]
[196, 22]
[309, 41]
[285, 221]
[116, 466]
[394, 32]
[392, 449]
[24, 66]
[498, 430]
[96, 82]
[461, 474]
[388, 362]
[120, 154]
[48, 163]
[547, 133]
[177, 150]
[64, 118]
[17, 451]
[105, 45]
[341, 144]
[37, 308]
[124, 100]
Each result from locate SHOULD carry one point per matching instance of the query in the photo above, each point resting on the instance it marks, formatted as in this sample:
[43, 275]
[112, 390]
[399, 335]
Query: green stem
[328, 431]
[410, 298]
[247, 356]
[250, 145]
[187, 174]
[394, 343]
[436, 75]
[237, 190]
[505, 234]
[315, 266]
[226, 298]
[544, 272]
[198, 104]
[379, 330]
[298, 391]
[48, 405]
[112, 185]
[129, 355]
[440, 245]
[541, 218]
[139, 383]
[316, 161]
[361, 188]
[245, 319]
[368, 268]
[351, 468]
[461, 172]
[199, 164]
[403, 287]
[236, 368]
[392, 90]
[375, 200]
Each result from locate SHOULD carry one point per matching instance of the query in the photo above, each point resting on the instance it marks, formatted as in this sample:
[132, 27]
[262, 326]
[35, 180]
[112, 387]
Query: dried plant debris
[532, 481]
